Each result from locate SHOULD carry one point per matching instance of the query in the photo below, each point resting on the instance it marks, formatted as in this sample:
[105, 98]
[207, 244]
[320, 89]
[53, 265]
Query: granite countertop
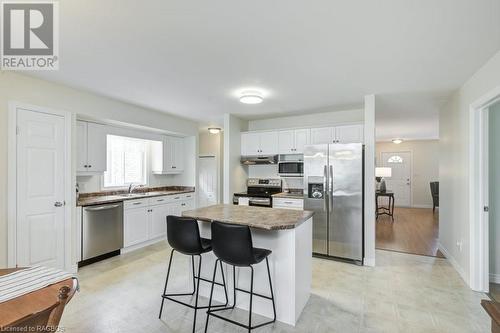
[292, 195]
[98, 198]
[255, 217]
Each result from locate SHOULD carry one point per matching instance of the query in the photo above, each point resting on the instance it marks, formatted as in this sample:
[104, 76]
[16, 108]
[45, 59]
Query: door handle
[331, 186]
[59, 204]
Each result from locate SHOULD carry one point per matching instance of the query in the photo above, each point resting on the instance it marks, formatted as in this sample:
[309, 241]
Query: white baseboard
[495, 278]
[422, 206]
[369, 262]
[141, 245]
[454, 263]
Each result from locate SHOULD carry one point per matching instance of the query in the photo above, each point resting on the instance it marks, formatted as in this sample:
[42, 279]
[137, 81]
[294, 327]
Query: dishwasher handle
[101, 208]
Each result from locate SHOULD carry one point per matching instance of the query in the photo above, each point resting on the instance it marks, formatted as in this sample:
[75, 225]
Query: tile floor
[404, 293]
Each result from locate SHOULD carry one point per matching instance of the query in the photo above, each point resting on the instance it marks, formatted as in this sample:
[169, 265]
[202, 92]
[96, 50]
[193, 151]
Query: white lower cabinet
[288, 203]
[145, 220]
[135, 226]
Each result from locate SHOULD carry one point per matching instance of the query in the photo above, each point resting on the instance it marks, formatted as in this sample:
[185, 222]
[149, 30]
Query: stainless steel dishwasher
[102, 232]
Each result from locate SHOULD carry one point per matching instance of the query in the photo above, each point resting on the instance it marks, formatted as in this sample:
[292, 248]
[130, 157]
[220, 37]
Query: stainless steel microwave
[291, 168]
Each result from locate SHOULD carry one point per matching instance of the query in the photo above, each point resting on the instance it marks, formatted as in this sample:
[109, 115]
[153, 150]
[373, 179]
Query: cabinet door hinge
[486, 208]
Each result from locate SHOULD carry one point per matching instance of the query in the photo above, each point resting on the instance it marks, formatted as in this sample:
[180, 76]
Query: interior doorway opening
[412, 225]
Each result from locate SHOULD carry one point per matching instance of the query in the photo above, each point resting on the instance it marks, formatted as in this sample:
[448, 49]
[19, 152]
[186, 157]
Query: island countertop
[255, 217]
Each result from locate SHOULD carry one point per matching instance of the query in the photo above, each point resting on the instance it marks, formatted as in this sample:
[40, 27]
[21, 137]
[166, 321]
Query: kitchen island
[288, 234]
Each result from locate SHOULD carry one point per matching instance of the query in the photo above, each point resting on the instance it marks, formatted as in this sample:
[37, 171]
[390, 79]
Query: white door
[81, 146]
[96, 147]
[302, 139]
[159, 221]
[400, 181]
[250, 144]
[208, 181]
[269, 143]
[286, 141]
[322, 135]
[135, 226]
[40, 189]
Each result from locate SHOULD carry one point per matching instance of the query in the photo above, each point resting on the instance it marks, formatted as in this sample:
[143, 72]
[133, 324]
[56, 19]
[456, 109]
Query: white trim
[453, 262]
[141, 245]
[12, 180]
[479, 242]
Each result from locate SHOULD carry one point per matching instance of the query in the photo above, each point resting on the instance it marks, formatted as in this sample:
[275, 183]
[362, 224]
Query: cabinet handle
[183, 204]
[90, 166]
[176, 198]
[136, 203]
[174, 167]
[160, 200]
[288, 202]
[85, 166]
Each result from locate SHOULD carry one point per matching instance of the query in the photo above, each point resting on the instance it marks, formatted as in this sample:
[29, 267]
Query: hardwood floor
[414, 230]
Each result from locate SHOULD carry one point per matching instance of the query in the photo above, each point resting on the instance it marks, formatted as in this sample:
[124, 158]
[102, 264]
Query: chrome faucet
[131, 187]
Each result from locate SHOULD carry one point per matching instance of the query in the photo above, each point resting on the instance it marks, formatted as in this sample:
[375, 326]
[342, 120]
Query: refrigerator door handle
[330, 176]
[325, 189]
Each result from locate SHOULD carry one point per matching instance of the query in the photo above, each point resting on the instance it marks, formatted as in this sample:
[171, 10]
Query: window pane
[126, 161]
[395, 159]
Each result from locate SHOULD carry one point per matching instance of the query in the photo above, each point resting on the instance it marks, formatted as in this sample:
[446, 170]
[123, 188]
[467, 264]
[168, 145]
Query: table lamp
[380, 173]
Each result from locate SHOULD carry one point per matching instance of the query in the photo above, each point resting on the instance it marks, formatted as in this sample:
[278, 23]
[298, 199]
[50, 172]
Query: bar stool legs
[196, 288]
[249, 327]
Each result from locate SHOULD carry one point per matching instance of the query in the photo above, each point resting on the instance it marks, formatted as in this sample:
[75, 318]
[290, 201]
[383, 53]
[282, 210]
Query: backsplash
[90, 184]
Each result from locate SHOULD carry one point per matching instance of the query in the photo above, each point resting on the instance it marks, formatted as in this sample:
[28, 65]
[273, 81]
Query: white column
[369, 259]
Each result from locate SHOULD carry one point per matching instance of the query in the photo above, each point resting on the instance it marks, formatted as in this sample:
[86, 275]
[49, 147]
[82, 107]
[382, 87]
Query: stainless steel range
[259, 192]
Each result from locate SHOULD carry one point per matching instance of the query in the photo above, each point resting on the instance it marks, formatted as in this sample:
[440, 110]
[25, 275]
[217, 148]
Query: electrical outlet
[459, 245]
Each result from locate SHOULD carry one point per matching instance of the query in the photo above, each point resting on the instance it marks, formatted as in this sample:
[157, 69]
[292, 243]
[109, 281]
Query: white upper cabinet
[337, 134]
[81, 146]
[293, 141]
[259, 143]
[168, 155]
[322, 135]
[91, 147]
[349, 134]
[269, 143]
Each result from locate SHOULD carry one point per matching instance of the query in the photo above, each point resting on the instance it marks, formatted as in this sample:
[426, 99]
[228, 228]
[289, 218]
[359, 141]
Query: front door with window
[400, 181]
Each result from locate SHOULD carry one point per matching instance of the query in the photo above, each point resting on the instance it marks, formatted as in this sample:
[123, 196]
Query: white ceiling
[190, 58]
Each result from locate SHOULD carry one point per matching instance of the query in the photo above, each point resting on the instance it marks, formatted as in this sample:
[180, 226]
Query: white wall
[308, 119]
[494, 189]
[454, 189]
[235, 174]
[25, 89]
[425, 166]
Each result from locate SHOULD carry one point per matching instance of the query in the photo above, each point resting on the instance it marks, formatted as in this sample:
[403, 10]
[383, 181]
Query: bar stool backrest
[183, 235]
[232, 243]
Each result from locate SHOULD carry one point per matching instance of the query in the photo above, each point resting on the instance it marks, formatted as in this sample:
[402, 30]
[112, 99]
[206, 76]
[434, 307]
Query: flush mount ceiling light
[214, 130]
[251, 97]
[397, 141]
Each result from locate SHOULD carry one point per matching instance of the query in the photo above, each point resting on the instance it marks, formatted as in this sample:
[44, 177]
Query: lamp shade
[383, 172]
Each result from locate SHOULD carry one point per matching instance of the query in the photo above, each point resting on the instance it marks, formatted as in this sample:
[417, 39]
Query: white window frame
[146, 167]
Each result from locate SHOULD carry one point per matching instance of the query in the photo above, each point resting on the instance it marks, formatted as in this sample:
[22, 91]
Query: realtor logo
[30, 35]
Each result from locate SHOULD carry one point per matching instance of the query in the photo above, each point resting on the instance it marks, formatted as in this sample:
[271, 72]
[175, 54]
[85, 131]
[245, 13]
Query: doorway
[414, 166]
[40, 184]
[208, 193]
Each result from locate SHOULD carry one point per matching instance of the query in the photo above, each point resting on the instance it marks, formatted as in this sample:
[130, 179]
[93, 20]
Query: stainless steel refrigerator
[333, 189]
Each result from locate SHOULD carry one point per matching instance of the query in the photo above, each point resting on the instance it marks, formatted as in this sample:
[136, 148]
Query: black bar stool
[232, 244]
[183, 235]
